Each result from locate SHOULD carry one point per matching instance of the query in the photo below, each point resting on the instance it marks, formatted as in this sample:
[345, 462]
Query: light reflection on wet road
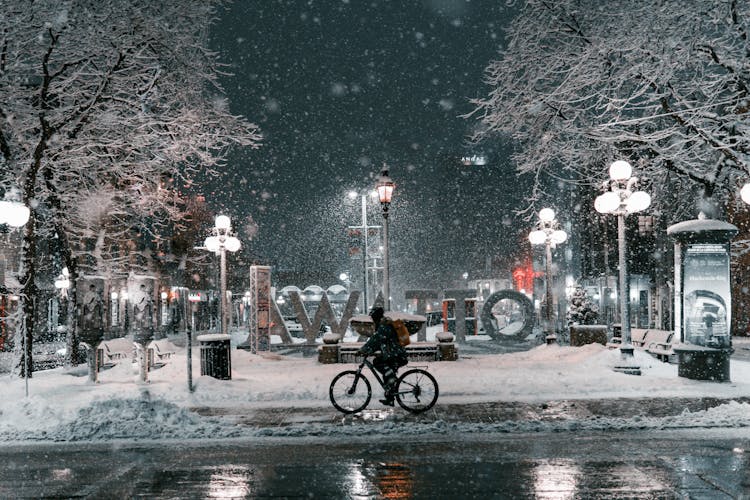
[654, 465]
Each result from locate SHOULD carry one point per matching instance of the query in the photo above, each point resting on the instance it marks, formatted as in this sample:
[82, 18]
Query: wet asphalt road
[714, 465]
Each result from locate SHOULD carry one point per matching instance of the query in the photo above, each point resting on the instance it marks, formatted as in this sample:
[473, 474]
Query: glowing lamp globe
[559, 236]
[14, 214]
[620, 170]
[232, 244]
[223, 223]
[546, 215]
[212, 244]
[745, 193]
[537, 237]
[607, 202]
[638, 201]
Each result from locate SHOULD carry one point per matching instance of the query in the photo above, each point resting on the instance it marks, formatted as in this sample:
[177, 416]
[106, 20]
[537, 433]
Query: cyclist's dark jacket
[385, 340]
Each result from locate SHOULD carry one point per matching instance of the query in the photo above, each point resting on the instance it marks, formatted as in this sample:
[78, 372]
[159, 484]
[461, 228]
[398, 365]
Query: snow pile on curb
[65, 406]
[146, 419]
[136, 419]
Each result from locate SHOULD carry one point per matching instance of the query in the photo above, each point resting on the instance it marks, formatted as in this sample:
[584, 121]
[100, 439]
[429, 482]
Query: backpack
[401, 332]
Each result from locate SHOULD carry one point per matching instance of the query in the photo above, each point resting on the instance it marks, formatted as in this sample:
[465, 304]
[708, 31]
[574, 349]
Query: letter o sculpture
[528, 313]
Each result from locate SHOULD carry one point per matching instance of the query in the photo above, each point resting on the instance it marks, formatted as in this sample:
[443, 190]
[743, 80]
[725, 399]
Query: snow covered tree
[581, 311]
[664, 84]
[100, 104]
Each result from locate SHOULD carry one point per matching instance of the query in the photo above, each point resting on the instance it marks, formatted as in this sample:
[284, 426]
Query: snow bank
[65, 406]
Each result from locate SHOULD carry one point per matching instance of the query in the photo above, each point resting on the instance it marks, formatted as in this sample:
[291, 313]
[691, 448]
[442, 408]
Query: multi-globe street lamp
[365, 235]
[621, 200]
[221, 241]
[549, 234]
[385, 189]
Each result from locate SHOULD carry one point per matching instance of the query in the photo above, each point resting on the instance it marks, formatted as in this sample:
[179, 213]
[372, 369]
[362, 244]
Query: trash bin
[216, 360]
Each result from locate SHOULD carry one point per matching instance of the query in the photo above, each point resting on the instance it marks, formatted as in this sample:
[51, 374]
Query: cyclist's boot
[390, 387]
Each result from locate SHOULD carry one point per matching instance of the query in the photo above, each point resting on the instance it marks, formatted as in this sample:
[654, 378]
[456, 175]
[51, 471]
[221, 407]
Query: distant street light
[550, 235]
[345, 278]
[385, 188]
[745, 193]
[219, 243]
[62, 282]
[365, 230]
[12, 212]
[621, 200]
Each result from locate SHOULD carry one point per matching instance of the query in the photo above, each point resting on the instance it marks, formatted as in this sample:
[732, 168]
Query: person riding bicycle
[392, 355]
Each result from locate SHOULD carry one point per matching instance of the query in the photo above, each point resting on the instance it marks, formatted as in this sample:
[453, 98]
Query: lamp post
[219, 243]
[16, 214]
[365, 228]
[62, 283]
[550, 235]
[385, 188]
[621, 200]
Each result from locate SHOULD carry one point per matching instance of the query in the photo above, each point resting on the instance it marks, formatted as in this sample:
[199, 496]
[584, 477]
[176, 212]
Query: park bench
[159, 352]
[111, 352]
[659, 345]
[417, 351]
[638, 336]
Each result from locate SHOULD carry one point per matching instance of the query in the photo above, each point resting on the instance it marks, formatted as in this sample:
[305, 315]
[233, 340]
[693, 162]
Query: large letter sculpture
[528, 312]
[423, 297]
[324, 312]
[460, 296]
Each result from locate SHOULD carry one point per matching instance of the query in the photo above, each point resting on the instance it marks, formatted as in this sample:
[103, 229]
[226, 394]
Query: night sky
[340, 86]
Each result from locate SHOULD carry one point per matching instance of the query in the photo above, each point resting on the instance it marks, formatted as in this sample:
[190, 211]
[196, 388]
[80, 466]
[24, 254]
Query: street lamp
[621, 200]
[13, 213]
[365, 230]
[550, 235]
[219, 243]
[745, 193]
[385, 188]
[62, 282]
[344, 277]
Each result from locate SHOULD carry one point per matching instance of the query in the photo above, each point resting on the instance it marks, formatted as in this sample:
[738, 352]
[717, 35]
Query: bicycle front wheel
[350, 392]
[417, 391]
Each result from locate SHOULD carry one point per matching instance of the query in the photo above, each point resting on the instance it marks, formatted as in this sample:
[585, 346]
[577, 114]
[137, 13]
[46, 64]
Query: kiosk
[702, 298]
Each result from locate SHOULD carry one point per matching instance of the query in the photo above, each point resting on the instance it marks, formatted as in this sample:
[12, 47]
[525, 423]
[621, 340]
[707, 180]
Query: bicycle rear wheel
[417, 391]
[350, 391]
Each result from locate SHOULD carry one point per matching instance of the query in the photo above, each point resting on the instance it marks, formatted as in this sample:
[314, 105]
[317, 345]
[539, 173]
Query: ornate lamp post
[385, 188]
[550, 235]
[219, 243]
[622, 200]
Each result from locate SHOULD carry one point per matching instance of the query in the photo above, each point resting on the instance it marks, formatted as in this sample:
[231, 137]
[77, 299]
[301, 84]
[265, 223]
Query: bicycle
[350, 391]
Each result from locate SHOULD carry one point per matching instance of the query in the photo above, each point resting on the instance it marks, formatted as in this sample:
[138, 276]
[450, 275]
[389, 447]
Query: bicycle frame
[366, 362]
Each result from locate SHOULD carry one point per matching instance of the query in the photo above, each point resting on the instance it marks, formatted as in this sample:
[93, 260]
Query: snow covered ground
[64, 406]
